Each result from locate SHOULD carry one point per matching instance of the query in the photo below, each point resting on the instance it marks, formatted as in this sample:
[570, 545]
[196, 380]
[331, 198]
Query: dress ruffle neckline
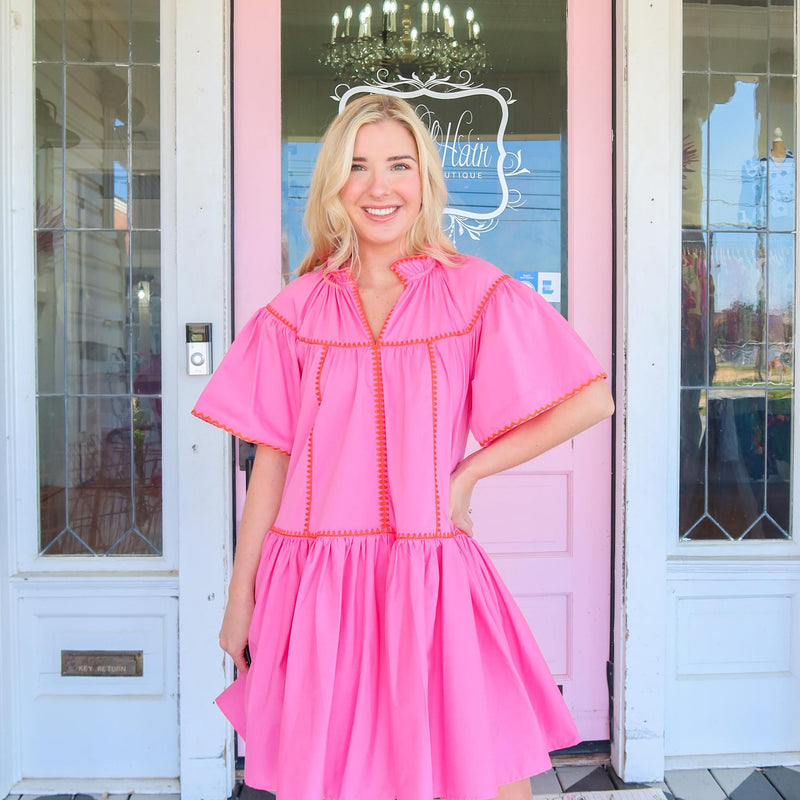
[407, 269]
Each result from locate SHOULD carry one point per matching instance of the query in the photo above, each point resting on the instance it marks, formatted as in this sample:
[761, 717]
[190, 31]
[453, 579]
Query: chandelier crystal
[356, 53]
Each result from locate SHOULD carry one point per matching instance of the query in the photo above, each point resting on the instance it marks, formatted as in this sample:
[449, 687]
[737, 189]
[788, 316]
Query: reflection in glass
[98, 277]
[145, 312]
[695, 35]
[52, 469]
[735, 477]
[50, 139]
[146, 537]
[738, 35]
[779, 461]
[99, 478]
[50, 310]
[145, 125]
[696, 287]
[695, 149]
[97, 300]
[778, 165]
[145, 35]
[694, 404]
[736, 309]
[738, 109]
[49, 30]
[97, 169]
[780, 310]
[97, 30]
[738, 272]
[781, 37]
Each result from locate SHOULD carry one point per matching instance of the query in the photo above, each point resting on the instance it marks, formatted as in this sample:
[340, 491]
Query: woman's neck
[373, 268]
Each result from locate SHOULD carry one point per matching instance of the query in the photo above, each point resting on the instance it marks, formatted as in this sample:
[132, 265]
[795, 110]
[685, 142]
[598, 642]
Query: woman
[388, 659]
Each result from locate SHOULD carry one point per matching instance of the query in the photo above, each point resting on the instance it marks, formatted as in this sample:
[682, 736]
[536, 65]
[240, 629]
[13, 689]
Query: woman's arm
[260, 510]
[531, 439]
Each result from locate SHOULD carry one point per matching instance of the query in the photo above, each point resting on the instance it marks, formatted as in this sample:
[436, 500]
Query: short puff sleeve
[528, 359]
[255, 391]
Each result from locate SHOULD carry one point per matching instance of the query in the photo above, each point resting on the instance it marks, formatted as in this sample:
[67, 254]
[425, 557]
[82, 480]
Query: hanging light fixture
[50, 132]
[439, 46]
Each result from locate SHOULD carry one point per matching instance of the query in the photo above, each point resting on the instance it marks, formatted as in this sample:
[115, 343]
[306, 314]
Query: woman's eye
[356, 168]
[401, 166]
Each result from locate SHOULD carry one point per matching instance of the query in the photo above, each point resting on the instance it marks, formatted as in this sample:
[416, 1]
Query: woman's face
[383, 194]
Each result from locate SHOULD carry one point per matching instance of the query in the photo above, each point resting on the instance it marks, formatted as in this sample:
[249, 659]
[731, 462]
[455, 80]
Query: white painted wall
[648, 293]
[6, 467]
[201, 293]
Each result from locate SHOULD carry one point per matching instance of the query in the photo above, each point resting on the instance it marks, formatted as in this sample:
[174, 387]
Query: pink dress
[388, 658]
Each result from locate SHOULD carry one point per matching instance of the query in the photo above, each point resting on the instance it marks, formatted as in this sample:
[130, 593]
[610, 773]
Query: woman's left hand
[461, 486]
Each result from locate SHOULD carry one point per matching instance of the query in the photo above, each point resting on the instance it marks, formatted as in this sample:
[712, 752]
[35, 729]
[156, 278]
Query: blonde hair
[333, 239]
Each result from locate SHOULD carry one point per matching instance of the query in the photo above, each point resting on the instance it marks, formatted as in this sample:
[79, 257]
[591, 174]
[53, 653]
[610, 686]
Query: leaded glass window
[98, 276]
[737, 269]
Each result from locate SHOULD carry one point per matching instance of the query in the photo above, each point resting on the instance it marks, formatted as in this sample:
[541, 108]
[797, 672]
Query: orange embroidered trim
[281, 318]
[541, 410]
[370, 532]
[362, 313]
[380, 423]
[307, 519]
[372, 342]
[317, 384]
[435, 436]
[394, 264]
[238, 435]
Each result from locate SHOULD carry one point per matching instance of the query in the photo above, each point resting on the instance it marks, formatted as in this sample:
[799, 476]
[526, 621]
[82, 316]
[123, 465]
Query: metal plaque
[102, 663]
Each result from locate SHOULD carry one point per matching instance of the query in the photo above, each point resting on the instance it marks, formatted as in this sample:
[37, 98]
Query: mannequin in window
[778, 150]
[779, 191]
[769, 182]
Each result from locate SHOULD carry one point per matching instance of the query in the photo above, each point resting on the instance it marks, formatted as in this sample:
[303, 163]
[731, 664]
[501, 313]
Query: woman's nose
[378, 185]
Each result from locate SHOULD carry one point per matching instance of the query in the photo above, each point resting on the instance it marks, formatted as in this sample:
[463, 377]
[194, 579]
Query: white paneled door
[111, 239]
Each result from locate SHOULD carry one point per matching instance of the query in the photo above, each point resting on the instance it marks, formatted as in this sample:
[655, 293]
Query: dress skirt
[388, 668]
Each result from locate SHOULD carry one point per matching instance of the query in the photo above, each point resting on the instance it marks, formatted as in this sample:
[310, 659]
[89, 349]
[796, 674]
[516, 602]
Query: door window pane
[98, 277]
[738, 271]
[502, 148]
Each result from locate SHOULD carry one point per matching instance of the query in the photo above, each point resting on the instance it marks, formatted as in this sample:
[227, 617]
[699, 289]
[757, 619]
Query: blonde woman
[386, 657]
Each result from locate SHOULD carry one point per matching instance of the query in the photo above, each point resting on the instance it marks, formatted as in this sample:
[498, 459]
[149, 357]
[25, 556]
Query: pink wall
[256, 154]
[256, 163]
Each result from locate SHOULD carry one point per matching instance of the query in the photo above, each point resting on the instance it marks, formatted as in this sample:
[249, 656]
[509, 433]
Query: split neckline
[407, 268]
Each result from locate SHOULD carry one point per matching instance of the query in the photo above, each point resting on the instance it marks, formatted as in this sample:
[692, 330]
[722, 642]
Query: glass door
[522, 117]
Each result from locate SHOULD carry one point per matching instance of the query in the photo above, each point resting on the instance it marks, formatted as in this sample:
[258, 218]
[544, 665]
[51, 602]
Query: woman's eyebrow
[361, 159]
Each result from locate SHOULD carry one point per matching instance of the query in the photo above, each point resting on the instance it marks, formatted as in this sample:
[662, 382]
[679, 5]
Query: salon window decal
[465, 156]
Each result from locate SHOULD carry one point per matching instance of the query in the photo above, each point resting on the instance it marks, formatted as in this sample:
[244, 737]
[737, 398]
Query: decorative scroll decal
[462, 156]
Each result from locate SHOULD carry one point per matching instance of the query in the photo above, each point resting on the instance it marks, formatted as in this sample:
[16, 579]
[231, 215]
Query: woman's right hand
[234, 631]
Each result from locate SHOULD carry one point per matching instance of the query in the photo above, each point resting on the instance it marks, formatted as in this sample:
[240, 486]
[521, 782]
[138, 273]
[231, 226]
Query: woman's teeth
[381, 212]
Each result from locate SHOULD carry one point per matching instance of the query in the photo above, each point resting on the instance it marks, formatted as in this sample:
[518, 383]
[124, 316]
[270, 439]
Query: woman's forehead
[383, 137]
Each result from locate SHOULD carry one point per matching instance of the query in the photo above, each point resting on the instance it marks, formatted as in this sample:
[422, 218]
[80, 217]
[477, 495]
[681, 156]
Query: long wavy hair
[333, 239]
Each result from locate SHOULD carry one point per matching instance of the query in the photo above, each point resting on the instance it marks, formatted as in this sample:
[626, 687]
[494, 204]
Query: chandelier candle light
[404, 51]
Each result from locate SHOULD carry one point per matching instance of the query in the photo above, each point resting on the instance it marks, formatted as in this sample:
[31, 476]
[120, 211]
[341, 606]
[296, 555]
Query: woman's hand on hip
[461, 486]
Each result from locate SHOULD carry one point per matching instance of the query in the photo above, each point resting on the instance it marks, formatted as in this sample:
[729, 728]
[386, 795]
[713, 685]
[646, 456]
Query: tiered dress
[388, 658]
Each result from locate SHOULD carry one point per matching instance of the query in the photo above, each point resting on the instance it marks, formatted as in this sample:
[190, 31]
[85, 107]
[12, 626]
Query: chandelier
[356, 53]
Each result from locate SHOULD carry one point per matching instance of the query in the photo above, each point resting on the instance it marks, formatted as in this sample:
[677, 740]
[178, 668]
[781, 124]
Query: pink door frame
[587, 460]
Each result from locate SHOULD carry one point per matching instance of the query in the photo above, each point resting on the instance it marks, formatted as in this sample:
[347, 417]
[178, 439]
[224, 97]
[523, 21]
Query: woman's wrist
[467, 470]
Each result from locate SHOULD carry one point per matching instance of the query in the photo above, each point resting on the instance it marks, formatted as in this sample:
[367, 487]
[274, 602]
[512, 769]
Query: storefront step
[589, 782]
